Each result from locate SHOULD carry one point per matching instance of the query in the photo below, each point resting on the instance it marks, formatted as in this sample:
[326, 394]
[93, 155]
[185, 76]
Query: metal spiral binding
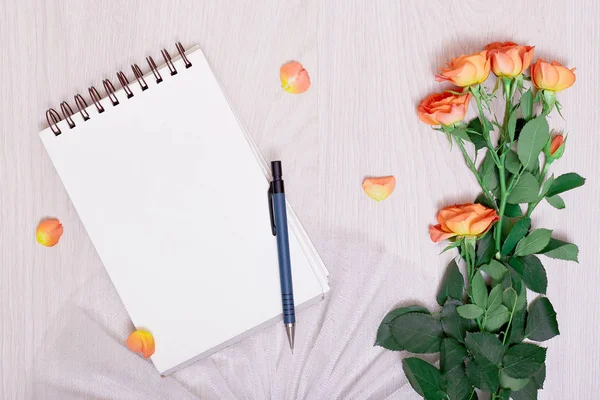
[110, 90]
[53, 117]
[68, 113]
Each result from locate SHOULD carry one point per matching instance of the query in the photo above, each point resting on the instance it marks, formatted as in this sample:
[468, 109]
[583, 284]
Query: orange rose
[462, 220]
[551, 76]
[508, 58]
[443, 108]
[466, 70]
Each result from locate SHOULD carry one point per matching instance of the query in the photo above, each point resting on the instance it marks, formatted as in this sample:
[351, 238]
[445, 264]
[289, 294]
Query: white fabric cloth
[84, 355]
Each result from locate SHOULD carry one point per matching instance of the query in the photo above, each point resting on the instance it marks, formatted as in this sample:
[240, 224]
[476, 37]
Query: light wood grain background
[370, 63]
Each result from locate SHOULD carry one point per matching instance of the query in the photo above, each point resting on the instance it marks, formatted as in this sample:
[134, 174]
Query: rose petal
[294, 78]
[437, 234]
[48, 232]
[141, 342]
[379, 188]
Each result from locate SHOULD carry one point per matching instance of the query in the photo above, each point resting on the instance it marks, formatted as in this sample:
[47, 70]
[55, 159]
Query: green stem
[502, 173]
[503, 199]
[474, 170]
[508, 94]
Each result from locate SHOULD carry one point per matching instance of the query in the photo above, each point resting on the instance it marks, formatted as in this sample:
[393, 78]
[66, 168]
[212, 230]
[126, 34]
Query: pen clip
[271, 215]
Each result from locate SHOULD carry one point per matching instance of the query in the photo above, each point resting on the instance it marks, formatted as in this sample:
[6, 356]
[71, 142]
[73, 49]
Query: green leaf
[475, 132]
[525, 191]
[461, 133]
[479, 290]
[513, 279]
[532, 271]
[424, 378]
[483, 200]
[539, 377]
[565, 182]
[534, 167]
[452, 355]
[522, 299]
[486, 248]
[417, 333]
[495, 269]
[535, 242]
[469, 311]
[485, 348]
[484, 377]
[456, 384]
[509, 298]
[513, 211]
[495, 297]
[517, 233]
[489, 172]
[512, 125]
[452, 285]
[512, 163]
[451, 246]
[496, 317]
[541, 320]
[556, 201]
[561, 250]
[532, 140]
[384, 333]
[523, 360]
[516, 333]
[529, 392]
[512, 383]
[527, 104]
[453, 324]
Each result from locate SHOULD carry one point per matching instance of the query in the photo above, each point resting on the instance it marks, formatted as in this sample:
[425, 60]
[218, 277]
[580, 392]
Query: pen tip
[290, 329]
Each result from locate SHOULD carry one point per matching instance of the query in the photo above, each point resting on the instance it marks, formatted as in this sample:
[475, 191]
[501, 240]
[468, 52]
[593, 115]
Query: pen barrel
[283, 253]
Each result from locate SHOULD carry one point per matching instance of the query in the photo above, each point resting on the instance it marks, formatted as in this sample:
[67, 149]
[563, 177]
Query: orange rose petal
[477, 228]
[48, 232]
[379, 188]
[141, 342]
[294, 78]
[556, 142]
[437, 234]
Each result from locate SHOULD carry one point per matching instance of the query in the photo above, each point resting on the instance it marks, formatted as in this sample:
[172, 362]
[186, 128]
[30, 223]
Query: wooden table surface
[370, 63]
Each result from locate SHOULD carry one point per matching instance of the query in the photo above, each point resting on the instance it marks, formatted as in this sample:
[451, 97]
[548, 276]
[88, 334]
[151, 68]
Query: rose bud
[466, 70]
[443, 108]
[555, 147]
[462, 220]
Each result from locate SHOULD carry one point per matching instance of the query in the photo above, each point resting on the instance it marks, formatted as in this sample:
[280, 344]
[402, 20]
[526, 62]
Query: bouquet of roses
[486, 328]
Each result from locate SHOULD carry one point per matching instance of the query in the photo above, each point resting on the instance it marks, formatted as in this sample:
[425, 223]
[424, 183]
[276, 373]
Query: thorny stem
[501, 170]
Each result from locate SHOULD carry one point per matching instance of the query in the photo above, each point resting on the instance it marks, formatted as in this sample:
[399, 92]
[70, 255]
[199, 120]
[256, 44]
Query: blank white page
[175, 202]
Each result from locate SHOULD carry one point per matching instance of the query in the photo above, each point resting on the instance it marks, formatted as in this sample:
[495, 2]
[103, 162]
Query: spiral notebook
[173, 194]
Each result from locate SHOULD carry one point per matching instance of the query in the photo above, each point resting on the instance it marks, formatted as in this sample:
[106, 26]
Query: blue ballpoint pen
[279, 229]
